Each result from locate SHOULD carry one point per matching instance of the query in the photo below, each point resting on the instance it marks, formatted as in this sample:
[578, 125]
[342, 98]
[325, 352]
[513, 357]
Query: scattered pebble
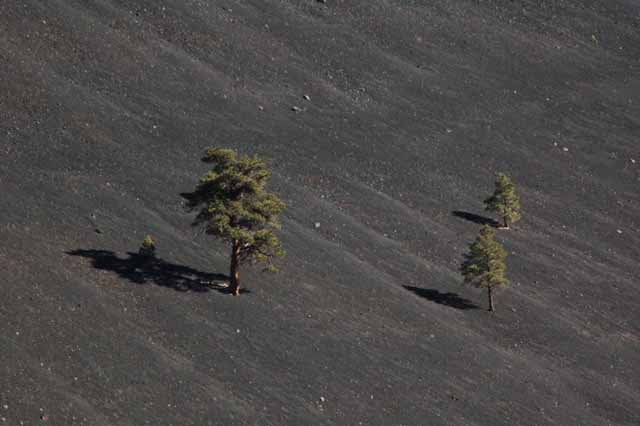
[316, 225]
[565, 149]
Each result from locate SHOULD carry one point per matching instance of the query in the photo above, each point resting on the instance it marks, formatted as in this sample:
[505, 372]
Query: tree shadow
[453, 300]
[475, 218]
[144, 269]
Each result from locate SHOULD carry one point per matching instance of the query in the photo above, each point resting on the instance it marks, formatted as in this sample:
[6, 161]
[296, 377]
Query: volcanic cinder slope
[106, 107]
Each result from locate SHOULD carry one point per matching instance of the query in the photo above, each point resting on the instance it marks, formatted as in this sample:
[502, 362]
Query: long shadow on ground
[475, 218]
[143, 269]
[453, 300]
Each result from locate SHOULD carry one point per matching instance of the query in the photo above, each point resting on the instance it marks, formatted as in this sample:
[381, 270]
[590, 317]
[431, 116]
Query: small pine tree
[504, 201]
[234, 206]
[484, 266]
[147, 248]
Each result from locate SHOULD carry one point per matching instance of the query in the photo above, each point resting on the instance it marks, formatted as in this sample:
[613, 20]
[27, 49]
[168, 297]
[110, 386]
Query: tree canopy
[504, 201]
[484, 265]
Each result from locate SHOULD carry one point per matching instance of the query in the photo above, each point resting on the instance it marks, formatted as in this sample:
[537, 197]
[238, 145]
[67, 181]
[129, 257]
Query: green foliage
[147, 248]
[484, 266]
[505, 200]
[233, 205]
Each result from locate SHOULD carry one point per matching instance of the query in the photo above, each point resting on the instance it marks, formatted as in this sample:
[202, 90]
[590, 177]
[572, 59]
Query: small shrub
[147, 248]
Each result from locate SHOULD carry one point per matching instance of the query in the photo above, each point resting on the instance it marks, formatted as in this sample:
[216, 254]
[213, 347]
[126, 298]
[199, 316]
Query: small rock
[619, 231]
[316, 225]
[44, 417]
[260, 107]
[322, 399]
[633, 161]
[296, 109]
[565, 149]
[307, 97]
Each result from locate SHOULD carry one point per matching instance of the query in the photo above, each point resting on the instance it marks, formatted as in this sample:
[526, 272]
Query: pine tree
[234, 206]
[484, 266]
[504, 201]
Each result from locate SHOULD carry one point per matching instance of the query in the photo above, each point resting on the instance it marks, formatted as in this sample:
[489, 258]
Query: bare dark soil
[107, 105]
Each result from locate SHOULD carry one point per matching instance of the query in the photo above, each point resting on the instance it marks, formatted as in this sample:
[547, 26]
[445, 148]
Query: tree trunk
[506, 222]
[490, 293]
[234, 270]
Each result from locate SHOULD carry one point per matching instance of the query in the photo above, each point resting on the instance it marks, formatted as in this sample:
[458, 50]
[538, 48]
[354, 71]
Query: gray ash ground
[384, 122]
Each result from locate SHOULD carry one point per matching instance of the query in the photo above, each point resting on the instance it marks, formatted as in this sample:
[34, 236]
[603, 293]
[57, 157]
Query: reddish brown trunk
[490, 299]
[234, 270]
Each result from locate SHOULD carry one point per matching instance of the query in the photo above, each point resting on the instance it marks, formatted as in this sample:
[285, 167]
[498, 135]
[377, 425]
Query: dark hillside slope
[107, 105]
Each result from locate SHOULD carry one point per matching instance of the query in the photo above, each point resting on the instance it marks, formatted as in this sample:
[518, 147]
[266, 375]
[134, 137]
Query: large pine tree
[504, 201]
[234, 205]
[484, 266]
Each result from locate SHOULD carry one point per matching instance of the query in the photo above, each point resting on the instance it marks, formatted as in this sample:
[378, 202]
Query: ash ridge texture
[384, 123]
